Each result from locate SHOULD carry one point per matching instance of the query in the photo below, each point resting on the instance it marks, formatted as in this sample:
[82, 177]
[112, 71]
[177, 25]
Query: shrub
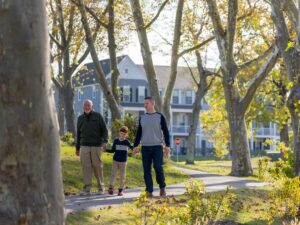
[263, 167]
[285, 198]
[68, 139]
[128, 121]
[203, 208]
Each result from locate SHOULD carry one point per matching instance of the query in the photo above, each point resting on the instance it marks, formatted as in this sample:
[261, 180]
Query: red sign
[177, 141]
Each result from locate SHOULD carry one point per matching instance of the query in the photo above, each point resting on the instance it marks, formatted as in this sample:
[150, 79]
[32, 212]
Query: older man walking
[153, 133]
[92, 136]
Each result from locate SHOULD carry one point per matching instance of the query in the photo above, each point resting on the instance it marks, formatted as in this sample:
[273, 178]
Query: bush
[68, 139]
[196, 208]
[203, 208]
[285, 198]
[263, 167]
[128, 121]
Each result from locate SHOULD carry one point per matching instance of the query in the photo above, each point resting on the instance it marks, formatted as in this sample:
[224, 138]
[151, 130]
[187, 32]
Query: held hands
[135, 150]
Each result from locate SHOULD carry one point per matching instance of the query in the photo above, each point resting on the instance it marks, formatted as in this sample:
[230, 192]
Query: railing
[265, 132]
[182, 129]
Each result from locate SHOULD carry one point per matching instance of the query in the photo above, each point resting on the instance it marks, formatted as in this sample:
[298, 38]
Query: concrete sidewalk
[212, 183]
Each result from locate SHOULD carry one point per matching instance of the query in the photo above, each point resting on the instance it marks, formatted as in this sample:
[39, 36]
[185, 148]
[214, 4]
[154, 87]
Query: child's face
[122, 134]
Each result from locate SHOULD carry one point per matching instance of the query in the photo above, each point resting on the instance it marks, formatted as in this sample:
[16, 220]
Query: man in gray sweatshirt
[152, 133]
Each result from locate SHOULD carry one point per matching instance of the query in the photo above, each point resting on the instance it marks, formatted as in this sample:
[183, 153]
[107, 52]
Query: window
[79, 94]
[126, 94]
[175, 98]
[141, 93]
[189, 97]
[94, 91]
[126, 70]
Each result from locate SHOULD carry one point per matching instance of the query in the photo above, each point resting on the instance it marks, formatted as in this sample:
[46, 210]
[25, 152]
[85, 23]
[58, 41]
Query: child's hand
[135, 151]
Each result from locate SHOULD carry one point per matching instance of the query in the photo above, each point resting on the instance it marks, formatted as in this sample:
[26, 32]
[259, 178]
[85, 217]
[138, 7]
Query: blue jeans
[153, 154]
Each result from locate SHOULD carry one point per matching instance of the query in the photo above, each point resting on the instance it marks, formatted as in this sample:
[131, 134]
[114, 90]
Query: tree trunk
[112, 51]
[30, 181]
[61, 113]
[284, 138]
[113, 105]
[291, 57]
[190, 157]
[174, 63]
[146, 53]
[241, 164]
[69, 107]
[203, 87]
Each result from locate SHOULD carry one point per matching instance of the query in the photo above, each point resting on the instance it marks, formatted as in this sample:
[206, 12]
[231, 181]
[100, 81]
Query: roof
[183, 79]
[87, 74]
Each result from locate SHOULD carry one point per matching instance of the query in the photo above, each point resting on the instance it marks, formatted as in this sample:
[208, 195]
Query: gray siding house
[134, 86]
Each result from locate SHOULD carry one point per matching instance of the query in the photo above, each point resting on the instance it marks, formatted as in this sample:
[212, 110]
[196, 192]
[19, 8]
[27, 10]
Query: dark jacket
[120, 148]
[91, 130]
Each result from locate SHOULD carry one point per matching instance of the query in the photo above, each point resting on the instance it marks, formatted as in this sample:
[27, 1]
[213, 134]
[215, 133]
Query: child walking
[120, 148]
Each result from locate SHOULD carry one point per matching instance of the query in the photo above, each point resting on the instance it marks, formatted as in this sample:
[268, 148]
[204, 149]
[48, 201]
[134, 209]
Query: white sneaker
[84, 193]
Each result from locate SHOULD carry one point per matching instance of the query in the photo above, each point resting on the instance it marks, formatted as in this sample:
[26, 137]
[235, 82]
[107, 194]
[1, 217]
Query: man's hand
[135, 150]
[103, 146]
[167, 152]
[77, 153]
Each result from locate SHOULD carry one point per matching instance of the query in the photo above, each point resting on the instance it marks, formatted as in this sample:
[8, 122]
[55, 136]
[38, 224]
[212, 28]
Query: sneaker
[84, 193]
[149, 194]
[120, 193]
[162, 192]
[111, 191]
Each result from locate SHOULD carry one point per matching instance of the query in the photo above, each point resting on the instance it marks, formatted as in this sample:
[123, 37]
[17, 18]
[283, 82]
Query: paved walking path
[212, 183]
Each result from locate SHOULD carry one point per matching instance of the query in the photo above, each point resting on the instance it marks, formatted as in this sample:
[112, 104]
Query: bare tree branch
[191, 71]
[257, 59]
[196, 46]
[55, 41]
[157, 14]
[260, 75]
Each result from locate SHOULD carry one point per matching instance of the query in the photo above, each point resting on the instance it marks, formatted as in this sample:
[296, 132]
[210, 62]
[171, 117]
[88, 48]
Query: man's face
[149, 105]
[87, 107]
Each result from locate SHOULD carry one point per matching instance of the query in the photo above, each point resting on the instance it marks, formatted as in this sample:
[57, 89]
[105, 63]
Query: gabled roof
[183, 78]
[87, 74]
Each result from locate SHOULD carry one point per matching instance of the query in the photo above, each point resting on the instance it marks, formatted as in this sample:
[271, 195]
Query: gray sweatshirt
[152, 130]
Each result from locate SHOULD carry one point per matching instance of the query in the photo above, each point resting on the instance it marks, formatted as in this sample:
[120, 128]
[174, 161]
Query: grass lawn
[250, 208]
[213, 165]
[72, 175]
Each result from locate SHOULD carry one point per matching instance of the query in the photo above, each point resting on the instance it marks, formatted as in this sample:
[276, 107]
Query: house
[134, 86]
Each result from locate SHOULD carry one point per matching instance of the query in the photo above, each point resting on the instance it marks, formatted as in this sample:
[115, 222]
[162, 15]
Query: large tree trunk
[174, 62]
[291, 57]
[30, 181]
[146, 52]
[241, 164]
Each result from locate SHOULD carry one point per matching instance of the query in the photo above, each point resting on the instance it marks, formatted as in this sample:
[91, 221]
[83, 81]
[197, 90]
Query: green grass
[213, 165]
[72, 175]
[250, 208]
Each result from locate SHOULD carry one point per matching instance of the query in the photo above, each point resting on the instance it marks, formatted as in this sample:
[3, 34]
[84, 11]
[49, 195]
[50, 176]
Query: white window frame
[126, 93]
[79, 94]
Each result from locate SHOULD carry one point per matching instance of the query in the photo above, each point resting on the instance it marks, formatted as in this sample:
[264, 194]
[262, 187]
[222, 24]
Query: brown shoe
[149, 194]
[162, 192]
